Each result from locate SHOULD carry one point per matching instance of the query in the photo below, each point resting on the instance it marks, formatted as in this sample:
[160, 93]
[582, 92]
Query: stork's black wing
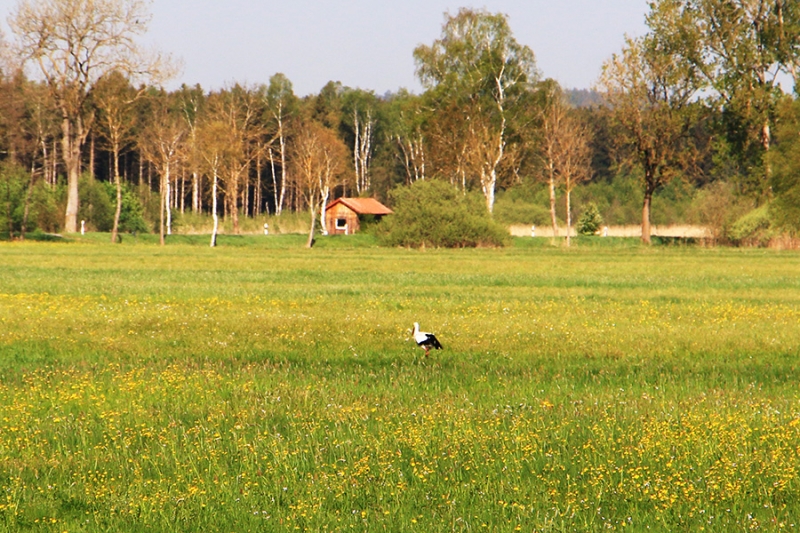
[433, 342]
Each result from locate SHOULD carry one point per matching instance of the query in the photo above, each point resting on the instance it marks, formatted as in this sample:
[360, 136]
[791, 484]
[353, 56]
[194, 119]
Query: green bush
[98, 203]
[96, 208]
[717, 207]
[131, 215]
[590, 221]
[12, 197]
[753, 229]
[45, 214]
[785, 210]
[43, 210]
[509, 210]
[785, 164]
[432, 213]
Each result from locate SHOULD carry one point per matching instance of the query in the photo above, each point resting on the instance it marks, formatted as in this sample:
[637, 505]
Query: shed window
[341, 223]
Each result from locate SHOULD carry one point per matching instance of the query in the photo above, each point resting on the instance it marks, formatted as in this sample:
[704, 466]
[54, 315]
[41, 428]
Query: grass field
[261, 386]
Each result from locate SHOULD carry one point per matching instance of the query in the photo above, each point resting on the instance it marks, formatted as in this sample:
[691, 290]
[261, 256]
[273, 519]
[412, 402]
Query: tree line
[700, 99]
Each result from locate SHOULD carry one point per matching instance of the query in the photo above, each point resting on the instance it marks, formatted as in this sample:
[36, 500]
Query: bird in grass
[426, 340]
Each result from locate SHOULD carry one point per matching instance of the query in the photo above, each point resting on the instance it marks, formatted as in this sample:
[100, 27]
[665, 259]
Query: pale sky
[369, 43]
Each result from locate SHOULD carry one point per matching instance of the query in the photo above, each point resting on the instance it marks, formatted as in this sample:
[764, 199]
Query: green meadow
[262, 386]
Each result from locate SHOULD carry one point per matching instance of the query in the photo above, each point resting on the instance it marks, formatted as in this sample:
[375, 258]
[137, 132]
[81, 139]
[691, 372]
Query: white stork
[426, 340]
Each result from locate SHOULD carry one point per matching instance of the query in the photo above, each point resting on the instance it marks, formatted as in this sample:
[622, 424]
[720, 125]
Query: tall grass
[266, 387]
[288, 223]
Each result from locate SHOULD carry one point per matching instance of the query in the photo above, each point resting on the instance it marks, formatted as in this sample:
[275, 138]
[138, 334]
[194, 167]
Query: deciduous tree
[281, 106]
[478, 63]
[573, 159]
[785, 159]
[404, 129]
[554, 112]
[360, 117]
[649, 90]
[74, 43]
[112, 96]
[565, 149]
[319, 160]
[160, 143]
[237, 108]
[741, 50]
[192, 102]
[212, 144]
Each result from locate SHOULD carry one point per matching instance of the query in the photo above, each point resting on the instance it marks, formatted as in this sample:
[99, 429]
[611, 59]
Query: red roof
[362, 206]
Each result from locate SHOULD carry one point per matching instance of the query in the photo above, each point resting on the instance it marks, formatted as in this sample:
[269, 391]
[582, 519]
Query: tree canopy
[689, 123]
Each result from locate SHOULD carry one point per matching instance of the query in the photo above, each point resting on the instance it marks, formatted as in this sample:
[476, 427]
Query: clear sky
[369, 43]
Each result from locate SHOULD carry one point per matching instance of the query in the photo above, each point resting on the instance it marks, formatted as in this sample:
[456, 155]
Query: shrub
[785, 210]
[590, 220]
[433, 213]
[619, 201]
[717, 207]
[14, 194]
[45, 214]
[96, 207]
[517, 211]
[131, 214]
[753, 229]
[785, 162]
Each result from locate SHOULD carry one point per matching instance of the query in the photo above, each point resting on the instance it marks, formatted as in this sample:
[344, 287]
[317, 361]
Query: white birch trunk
[569, 218]
[313, 209]
[356, 157]
[322, 208]
[214, 210]
[54, 173]
[552, 180]
[362, 151]
[183, 191]
[195, 193]
[284, 173]
[257, 200]
[45, 165]
[169, 210]
[366, 153]
[274, 182]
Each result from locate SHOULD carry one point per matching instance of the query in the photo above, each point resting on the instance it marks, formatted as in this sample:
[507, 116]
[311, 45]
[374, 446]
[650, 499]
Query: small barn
[343, 215]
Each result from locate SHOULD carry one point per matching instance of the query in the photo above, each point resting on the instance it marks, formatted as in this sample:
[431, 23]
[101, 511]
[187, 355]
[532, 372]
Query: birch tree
[43, 123]
[478, 62]
[41, 128]
[573, 158]
[160, 143]
[359, 110]
[281, 105]
[363, 124]
[74, 43]
[554, 112]
[192, 106]
[447, 137]
[404, 129]
[238, 109]
[113, 96]
[26, 128]
[212, 143]
[319, 160]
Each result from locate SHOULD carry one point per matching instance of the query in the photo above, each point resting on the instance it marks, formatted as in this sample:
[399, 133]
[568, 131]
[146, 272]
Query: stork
[426, 340]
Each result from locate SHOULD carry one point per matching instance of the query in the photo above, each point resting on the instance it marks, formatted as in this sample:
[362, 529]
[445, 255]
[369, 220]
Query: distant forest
[689, 124]
[580, 98]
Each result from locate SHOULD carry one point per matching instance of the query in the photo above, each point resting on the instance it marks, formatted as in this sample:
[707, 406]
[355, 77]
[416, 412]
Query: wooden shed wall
[341, 211]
